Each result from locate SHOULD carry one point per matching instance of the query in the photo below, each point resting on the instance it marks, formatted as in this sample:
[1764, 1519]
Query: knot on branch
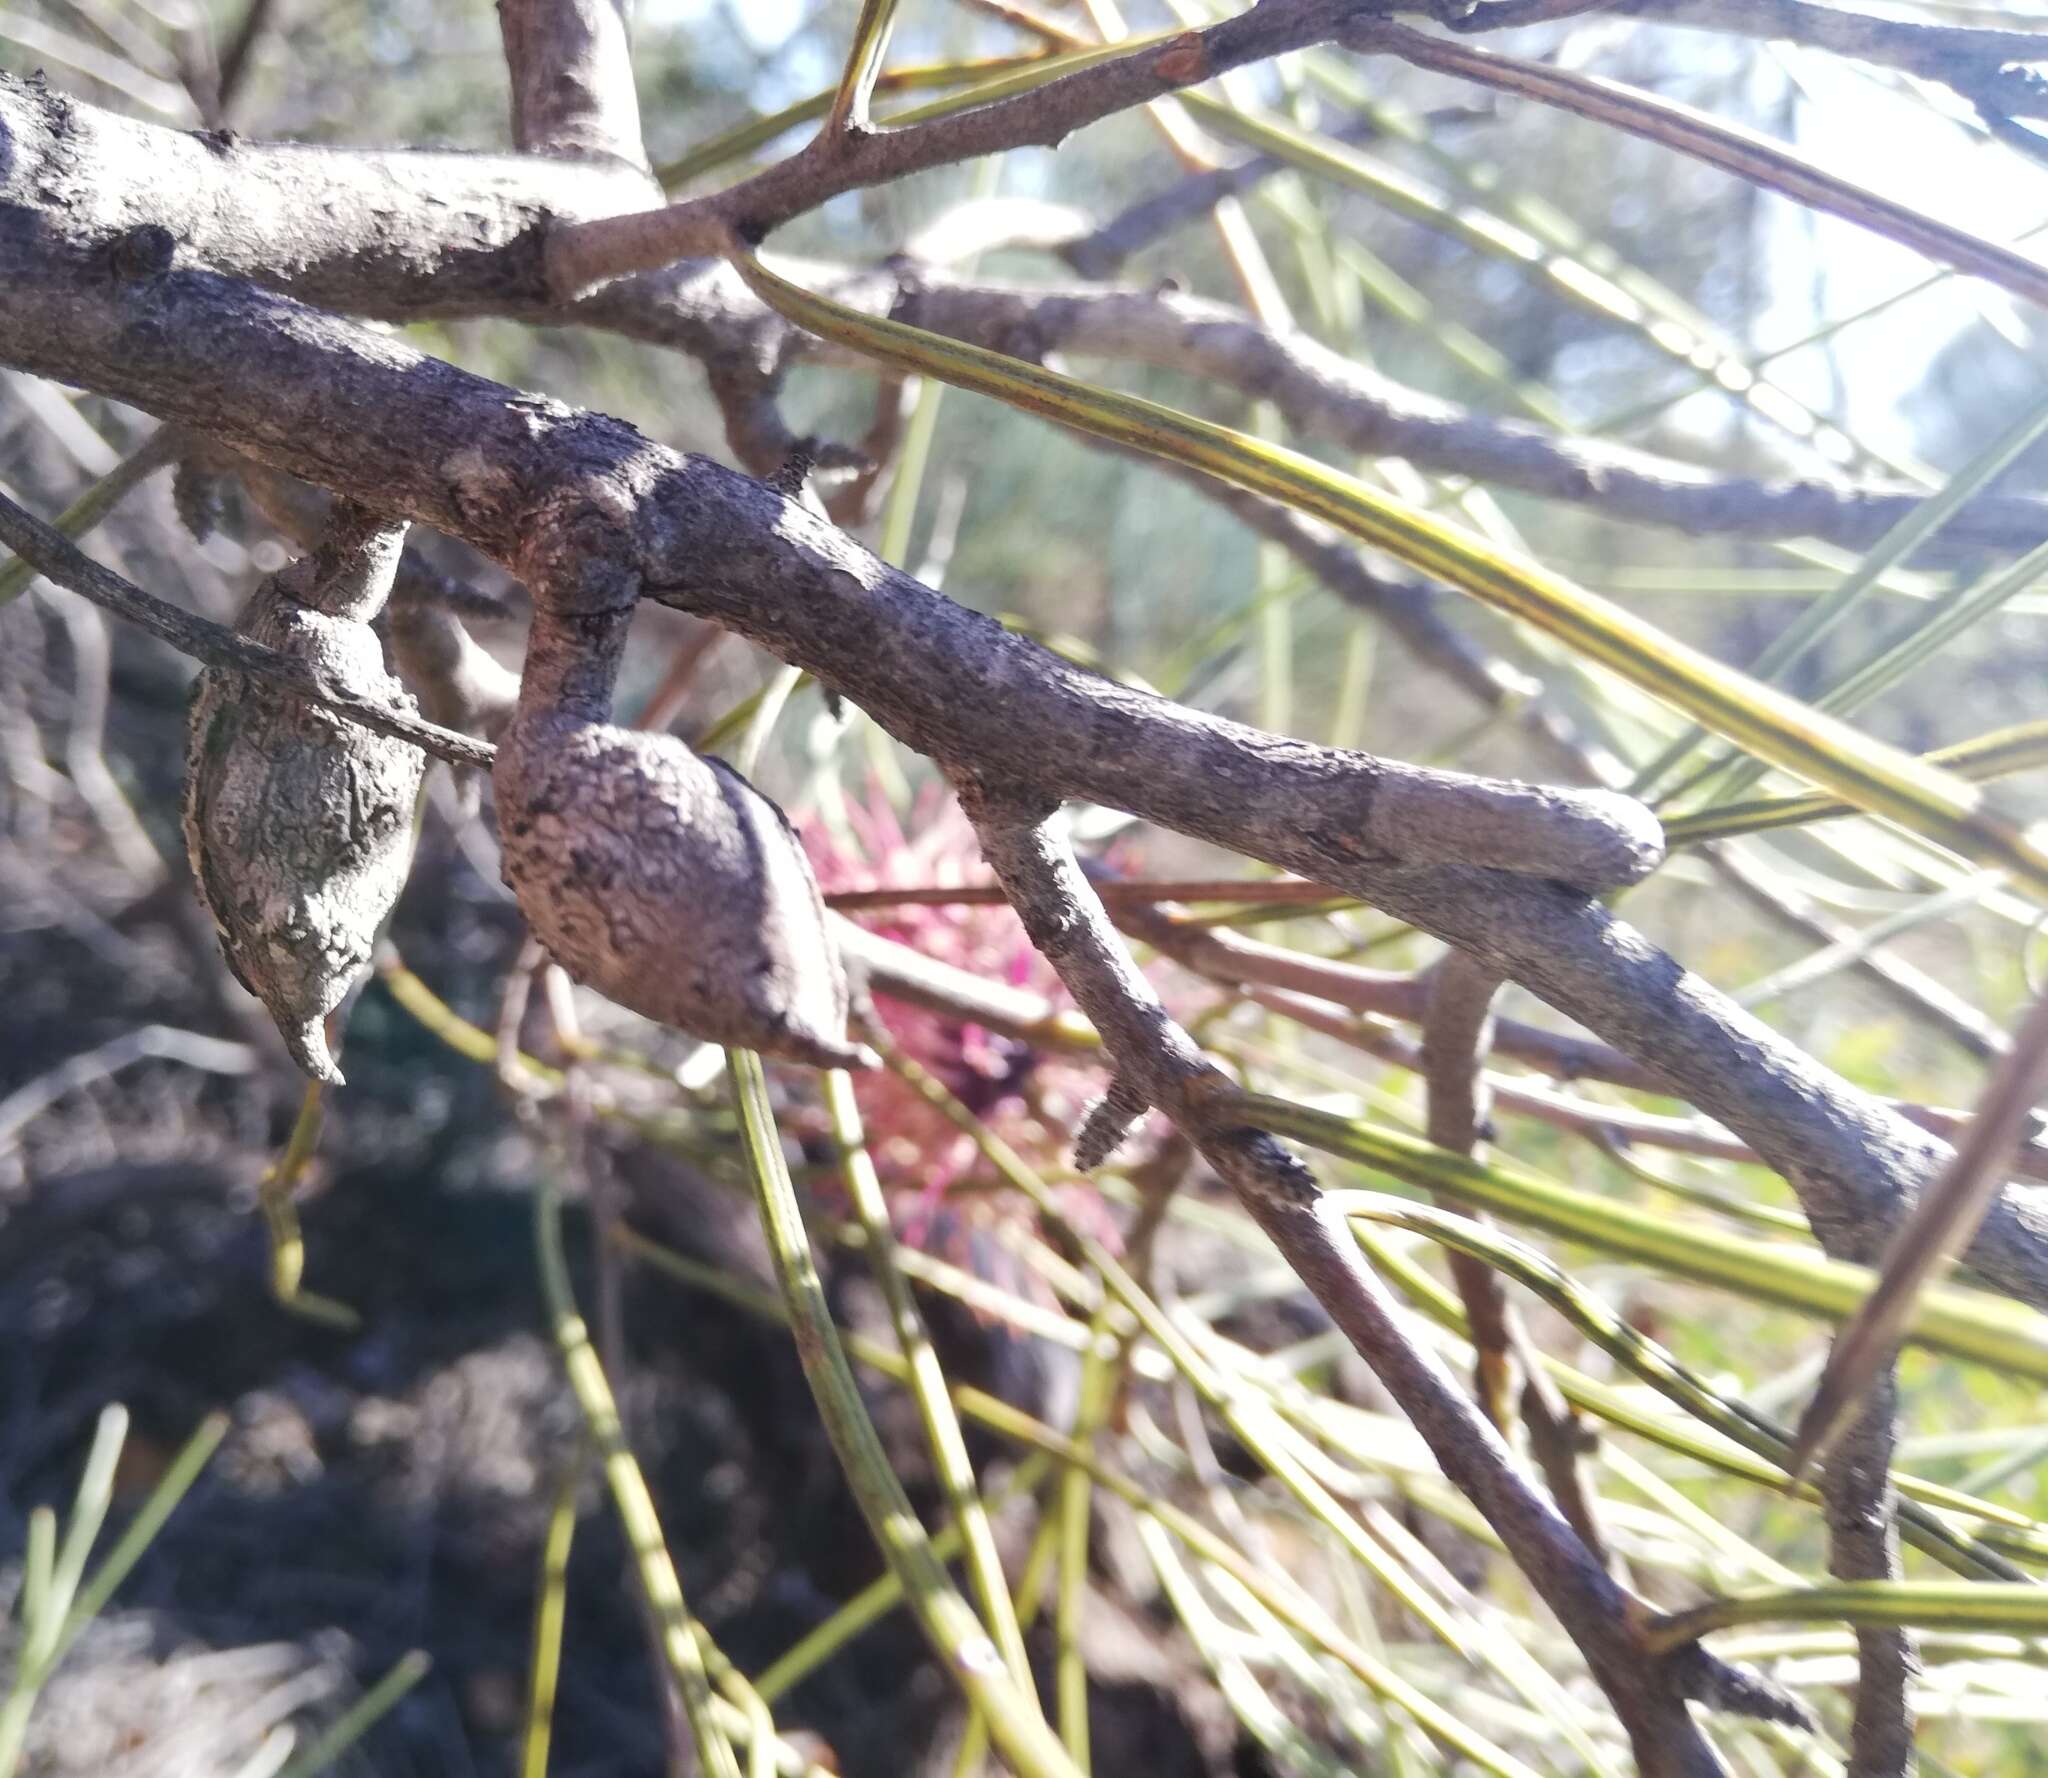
[145, 251]
[792, 476]
[1183, 62]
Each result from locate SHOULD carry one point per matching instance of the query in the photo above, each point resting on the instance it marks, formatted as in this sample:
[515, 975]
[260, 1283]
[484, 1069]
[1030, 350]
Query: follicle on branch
[299, 824]
[659, 877]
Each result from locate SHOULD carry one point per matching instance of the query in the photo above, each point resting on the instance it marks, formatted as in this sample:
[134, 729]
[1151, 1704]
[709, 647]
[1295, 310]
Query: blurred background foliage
[389, 1486]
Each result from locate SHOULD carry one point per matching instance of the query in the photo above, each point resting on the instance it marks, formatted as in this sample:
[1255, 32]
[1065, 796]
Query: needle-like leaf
[1805, 742]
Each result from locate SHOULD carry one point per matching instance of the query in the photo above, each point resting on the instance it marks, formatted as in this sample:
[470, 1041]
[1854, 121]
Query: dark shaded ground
[387, 1490]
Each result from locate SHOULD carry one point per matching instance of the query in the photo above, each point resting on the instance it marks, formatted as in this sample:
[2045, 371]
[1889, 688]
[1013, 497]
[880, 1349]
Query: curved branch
[581, 256]
[404, 235]
[1734, 150]
[1861, 1508]
[1158, 1064]
[1325, 395]
[586, 508]
[1986, 66]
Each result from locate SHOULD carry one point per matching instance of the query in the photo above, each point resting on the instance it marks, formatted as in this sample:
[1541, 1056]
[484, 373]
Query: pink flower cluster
[1031, 1098]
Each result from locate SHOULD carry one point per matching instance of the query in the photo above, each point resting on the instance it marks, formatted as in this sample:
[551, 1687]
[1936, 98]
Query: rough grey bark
[1158, 1064]
[409, 234]
[539, 487]
[572, 78]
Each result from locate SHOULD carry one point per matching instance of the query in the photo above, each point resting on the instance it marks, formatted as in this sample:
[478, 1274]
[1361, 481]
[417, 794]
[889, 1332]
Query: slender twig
[1727, 146]
[1318, 992]
[1943, 1220]
[1158, 1064]
[585, 254]
[54, 556]
[1615, 1127]
[665, 703]
[1325, 395]
[1113, 890]
[1988, 67]
[1457, 1032]
[1102, 251]
[1928, 1002]
[96, 502]
[239, 56]
[1412, 611]
[1863, 1544]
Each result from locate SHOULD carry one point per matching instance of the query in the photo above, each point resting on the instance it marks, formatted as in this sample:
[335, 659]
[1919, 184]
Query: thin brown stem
[1929, 1003]
[1863, 1544]
[1157, 1063]
[584, 254]
[57, 558]
[1734, 150]
[1457, 1032]
[1114, 891]
[239, 56]
[1988, 67]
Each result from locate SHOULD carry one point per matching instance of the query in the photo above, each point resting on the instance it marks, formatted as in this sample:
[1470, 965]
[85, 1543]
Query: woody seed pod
[298, 823]
[661, 878]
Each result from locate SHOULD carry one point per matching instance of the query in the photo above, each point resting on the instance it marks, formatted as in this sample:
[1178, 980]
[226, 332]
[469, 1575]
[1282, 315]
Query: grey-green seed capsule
[297, 823]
